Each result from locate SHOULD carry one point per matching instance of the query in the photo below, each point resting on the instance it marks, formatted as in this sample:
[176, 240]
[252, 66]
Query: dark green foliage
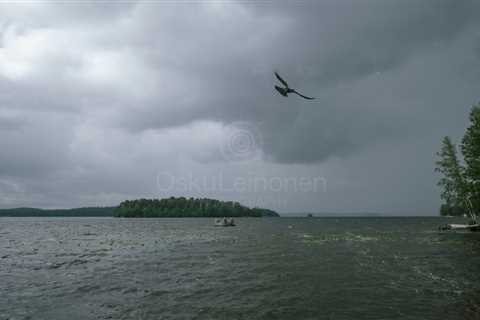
[447, 210]
[265, 212]
[183, 207]
[77, 212]
[471, 154]
[461, 185]
[453, 181]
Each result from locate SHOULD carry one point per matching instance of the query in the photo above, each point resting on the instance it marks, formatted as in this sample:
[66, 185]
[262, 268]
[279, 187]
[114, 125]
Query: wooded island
[187, 207]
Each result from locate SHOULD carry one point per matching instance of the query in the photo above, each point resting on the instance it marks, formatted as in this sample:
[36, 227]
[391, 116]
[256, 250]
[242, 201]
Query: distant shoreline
[73, 212]
[85, 212]
[150, 208]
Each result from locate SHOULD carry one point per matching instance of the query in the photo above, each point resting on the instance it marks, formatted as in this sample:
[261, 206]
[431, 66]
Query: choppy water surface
[346, 268]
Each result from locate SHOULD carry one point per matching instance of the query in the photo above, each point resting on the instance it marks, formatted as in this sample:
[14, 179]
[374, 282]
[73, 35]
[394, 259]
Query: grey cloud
[10, 123]
[353, 39]
[107, 83]
[70, 14]
[316, 46]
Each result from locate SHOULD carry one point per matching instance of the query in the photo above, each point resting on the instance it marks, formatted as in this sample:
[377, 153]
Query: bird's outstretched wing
[281, 80]
[301, 95]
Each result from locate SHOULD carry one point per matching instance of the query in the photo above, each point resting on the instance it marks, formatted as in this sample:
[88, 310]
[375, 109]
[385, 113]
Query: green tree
[471, 154]
[453, 181]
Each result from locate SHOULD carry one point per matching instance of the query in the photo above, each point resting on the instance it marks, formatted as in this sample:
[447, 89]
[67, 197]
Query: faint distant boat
[224, 222]
[309, 215]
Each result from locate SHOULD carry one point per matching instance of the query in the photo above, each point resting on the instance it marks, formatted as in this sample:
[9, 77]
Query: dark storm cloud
[10, 123]
[322, 48]
[353, 38]
[34, 147]
[96, 98]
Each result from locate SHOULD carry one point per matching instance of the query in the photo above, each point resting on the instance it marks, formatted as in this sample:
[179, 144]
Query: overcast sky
[101, 102]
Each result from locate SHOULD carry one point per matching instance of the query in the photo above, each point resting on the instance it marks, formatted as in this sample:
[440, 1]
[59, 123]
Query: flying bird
[286, 90]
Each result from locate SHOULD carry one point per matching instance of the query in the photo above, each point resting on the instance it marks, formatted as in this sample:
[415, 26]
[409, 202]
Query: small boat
[224, 222]
[472, 225]
[453, 226]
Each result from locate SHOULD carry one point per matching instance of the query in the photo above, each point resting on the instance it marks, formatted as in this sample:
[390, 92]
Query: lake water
[280, 268]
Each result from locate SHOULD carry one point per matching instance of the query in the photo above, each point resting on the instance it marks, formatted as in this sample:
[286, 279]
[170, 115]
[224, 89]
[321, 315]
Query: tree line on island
[183, 207]
[150, 208]
[460, 180]
[75, 212]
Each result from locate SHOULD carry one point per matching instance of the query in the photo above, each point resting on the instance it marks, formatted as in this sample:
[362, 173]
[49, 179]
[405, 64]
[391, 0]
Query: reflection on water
[346, 268]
